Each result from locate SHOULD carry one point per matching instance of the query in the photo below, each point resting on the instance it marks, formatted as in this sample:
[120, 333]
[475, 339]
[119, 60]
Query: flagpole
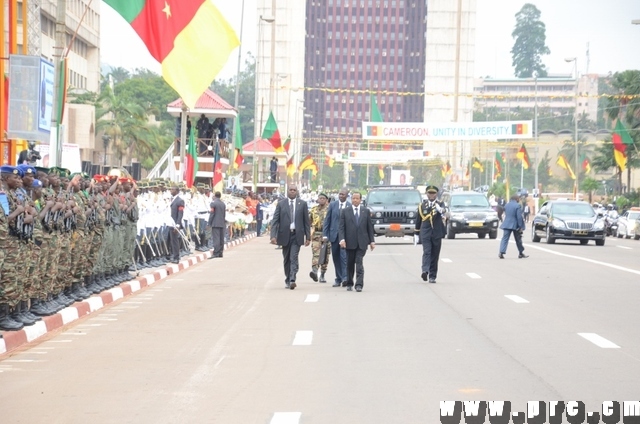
[522, 173]
[232, 152]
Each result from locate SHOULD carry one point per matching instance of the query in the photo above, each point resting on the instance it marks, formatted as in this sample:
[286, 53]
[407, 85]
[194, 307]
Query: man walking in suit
[177, 212]
[330, 231]
[217, 222]
[356, 234]
[291, 228]
[513, 223]
[430, 229]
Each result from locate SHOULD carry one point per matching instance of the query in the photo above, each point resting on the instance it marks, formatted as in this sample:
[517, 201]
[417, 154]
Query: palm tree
[585, 150]
[590, 185]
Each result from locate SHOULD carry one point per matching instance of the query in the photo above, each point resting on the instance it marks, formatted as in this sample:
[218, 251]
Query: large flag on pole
[374, 112]
[177, 33]
[192, 161]
[499, 165]
[287, 145]
[563, 163]
[216, 183]
[620, 139]
[478, 165]
[586, 165]
[237, 144]
[291, 168]
[272, 133]
[523, 156]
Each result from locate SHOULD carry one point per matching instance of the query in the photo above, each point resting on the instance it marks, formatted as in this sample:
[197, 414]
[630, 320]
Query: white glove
[416, 239]
[438, 208]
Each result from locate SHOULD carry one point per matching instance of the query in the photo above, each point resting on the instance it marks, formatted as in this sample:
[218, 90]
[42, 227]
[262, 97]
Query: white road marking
[43, 347]
[624, 247]
[61, 341]
[312, 298]
[105, 319]
[599, 341]
[515, 298]
[33, 352]
[90, 325]
[20, 360]
[385, 254]
[286, 418]
[593, 261]
[473, 275]
[445, 260]
[75, 334]
[68, 315]
[132, 303]
[303, 338]
[219, 361]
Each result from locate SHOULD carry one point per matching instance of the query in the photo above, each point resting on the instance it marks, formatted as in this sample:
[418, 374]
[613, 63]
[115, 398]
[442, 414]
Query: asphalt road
[224, 342]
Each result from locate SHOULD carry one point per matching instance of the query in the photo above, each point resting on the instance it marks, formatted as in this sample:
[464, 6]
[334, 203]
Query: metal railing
[205, 146]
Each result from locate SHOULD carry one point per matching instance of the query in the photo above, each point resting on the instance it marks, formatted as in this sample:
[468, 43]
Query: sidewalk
[10, 340]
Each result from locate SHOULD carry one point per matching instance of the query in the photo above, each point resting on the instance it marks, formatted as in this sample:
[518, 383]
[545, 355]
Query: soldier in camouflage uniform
[316, 216]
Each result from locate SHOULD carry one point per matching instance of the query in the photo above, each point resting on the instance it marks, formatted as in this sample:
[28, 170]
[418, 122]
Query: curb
[11, 340]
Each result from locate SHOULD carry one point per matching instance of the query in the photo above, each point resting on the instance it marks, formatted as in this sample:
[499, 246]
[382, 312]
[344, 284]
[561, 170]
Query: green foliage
[332, 179]
[622, 202]
[530, 43]
[86, 98]
[590, 185]
[150, 92]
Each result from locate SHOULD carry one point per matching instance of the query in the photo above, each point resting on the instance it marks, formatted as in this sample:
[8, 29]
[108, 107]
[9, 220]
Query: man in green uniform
[317, 215]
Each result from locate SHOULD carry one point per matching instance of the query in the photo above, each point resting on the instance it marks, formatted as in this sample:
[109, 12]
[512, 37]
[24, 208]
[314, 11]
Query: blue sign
[47, 75]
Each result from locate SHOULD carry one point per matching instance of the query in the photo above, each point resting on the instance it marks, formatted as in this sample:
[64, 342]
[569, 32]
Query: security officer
[317, 215]
[430, 230]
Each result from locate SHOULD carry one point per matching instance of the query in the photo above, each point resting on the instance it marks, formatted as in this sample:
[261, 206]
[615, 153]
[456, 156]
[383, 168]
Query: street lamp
[258, 129]
[575, 120]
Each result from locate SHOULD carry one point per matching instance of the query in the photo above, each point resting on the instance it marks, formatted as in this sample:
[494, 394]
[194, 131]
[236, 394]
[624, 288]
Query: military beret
[99, 178]
[36, 184]
[201, 185]
[432, 189]
[83, 175]
[124, 180]
[8, 169]
[27, 169]
[42, 169]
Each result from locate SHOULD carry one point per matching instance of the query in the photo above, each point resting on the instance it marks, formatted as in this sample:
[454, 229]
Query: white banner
[70, 157]
[383, 156]
[451, 131]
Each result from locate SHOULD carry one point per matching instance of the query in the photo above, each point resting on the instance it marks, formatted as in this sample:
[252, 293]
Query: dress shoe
[293, 285]
[344, 284]
[337, 284]
[501, 255]
[358, 288]
[522, 256]
[425, 276]
[349, 288]
[432, 280]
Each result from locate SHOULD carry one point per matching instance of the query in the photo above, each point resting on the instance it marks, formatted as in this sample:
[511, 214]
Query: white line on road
[286, 418]
[445, 260]
[473, 275]
[303, 338]
[61, 341]
[515, 298]
[75, 334]
[219, 362]
[599, 341]
[620, 268]
[104, 319]
[20, 360]
[312, 298]
[624, 247]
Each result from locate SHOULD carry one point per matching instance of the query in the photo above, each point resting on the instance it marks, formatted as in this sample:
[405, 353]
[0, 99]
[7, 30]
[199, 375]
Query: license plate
[475, 224]
[580, 233]
[395, 227]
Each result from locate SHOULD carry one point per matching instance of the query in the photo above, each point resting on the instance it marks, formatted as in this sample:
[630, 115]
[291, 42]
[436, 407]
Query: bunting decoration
[446, 169]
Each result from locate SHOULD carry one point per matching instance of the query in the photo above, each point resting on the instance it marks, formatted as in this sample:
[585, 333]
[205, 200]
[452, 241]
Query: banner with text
[377, 156]
[449, 131]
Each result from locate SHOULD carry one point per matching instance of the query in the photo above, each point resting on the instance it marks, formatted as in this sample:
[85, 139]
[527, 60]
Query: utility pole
[58, 107]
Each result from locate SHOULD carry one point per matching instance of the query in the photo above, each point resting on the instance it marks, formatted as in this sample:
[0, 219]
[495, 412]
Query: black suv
[394, 210]
[569, 220]
[469, 212]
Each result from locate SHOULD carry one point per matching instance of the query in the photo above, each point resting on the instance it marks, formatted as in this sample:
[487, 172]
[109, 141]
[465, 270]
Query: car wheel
[493, 234]
[450, 233]
[482, 235]
[549, 237]
[583, 242]
[619, 234]
[636, 237]
[534, 236]
[600, 242]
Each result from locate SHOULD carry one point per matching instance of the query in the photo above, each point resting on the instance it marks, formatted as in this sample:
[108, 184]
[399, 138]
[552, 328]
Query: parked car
[469, 212]
[394, 210]
[568, 220]
[628, 224]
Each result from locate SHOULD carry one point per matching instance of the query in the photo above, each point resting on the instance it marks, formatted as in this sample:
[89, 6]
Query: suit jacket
[281, 223]
[331, 225]
[513, 217]
[357, 235]
[218, 211]
[177, 210]
[427, 215]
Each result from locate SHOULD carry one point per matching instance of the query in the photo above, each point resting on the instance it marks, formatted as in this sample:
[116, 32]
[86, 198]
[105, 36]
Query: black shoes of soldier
[322, 279]
[6, 322]
[314, 274]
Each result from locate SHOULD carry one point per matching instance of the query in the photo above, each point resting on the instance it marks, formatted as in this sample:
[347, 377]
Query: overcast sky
[571, 24]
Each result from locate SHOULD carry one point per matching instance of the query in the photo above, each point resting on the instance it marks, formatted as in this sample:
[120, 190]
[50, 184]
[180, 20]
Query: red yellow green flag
[291, 168]
[192, 161]
[287, 144]
[190, 38]
[216, 182]
[523, 156]
[586, 166]
[563, 163]
[620, 139]
[478, 165]
[272, 133]
[329, 160]
[237, 144]
[381, 171]
[499, 164]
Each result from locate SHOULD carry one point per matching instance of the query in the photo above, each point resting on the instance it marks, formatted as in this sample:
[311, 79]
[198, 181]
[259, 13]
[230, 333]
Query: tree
[150, 92]
[590, 185]
[530, 43]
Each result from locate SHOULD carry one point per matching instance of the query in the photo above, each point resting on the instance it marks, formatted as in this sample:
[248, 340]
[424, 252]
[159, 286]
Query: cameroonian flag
[477, 164]
[586, 166]
[192, 161]
[446, 169]
[329, 160]
[466, 173]
[374, 112]
[620, 139]
[272, 133]
[381, 171]
[291, 168]
[287, 144]
[237, 144]
[499, 164]
[523, 156]
[190, 38]
[563, 163]
[306, 163]
[216, 183]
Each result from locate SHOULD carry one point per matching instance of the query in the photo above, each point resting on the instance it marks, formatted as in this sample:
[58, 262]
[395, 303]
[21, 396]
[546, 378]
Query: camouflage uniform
[13, 277]
[316, 216]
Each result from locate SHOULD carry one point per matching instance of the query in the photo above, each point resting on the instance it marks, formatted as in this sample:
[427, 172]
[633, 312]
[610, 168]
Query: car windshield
[394, 197]
[634, 215]
[580, 209]
[469, 201]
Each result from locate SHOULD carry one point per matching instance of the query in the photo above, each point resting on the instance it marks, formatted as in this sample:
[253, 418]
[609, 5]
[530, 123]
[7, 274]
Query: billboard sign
[449, 131]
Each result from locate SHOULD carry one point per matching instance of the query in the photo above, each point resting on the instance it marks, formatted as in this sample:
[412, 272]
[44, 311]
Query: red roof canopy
[208, 103]
[262, 146]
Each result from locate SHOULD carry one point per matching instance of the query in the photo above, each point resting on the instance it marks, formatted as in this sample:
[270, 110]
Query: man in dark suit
[217, 222]
[430, 230]
[291, 228]
[356, 234]
[177, 212]
[330, 231]
[513, 223]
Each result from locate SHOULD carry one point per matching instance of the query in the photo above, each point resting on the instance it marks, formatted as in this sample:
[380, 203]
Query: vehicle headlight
[411, 214]
[599, 225]
[378, 214]
[492, 215]
[457, 216]
[558, 223]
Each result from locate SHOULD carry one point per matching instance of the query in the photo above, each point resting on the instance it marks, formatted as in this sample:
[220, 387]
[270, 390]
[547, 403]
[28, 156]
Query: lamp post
[575, 134]
[535, 128]
[237, 94]
[258, 129]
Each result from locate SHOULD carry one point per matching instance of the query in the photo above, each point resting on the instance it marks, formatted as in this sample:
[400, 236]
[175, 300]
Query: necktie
[291, 208]
[357, 215]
